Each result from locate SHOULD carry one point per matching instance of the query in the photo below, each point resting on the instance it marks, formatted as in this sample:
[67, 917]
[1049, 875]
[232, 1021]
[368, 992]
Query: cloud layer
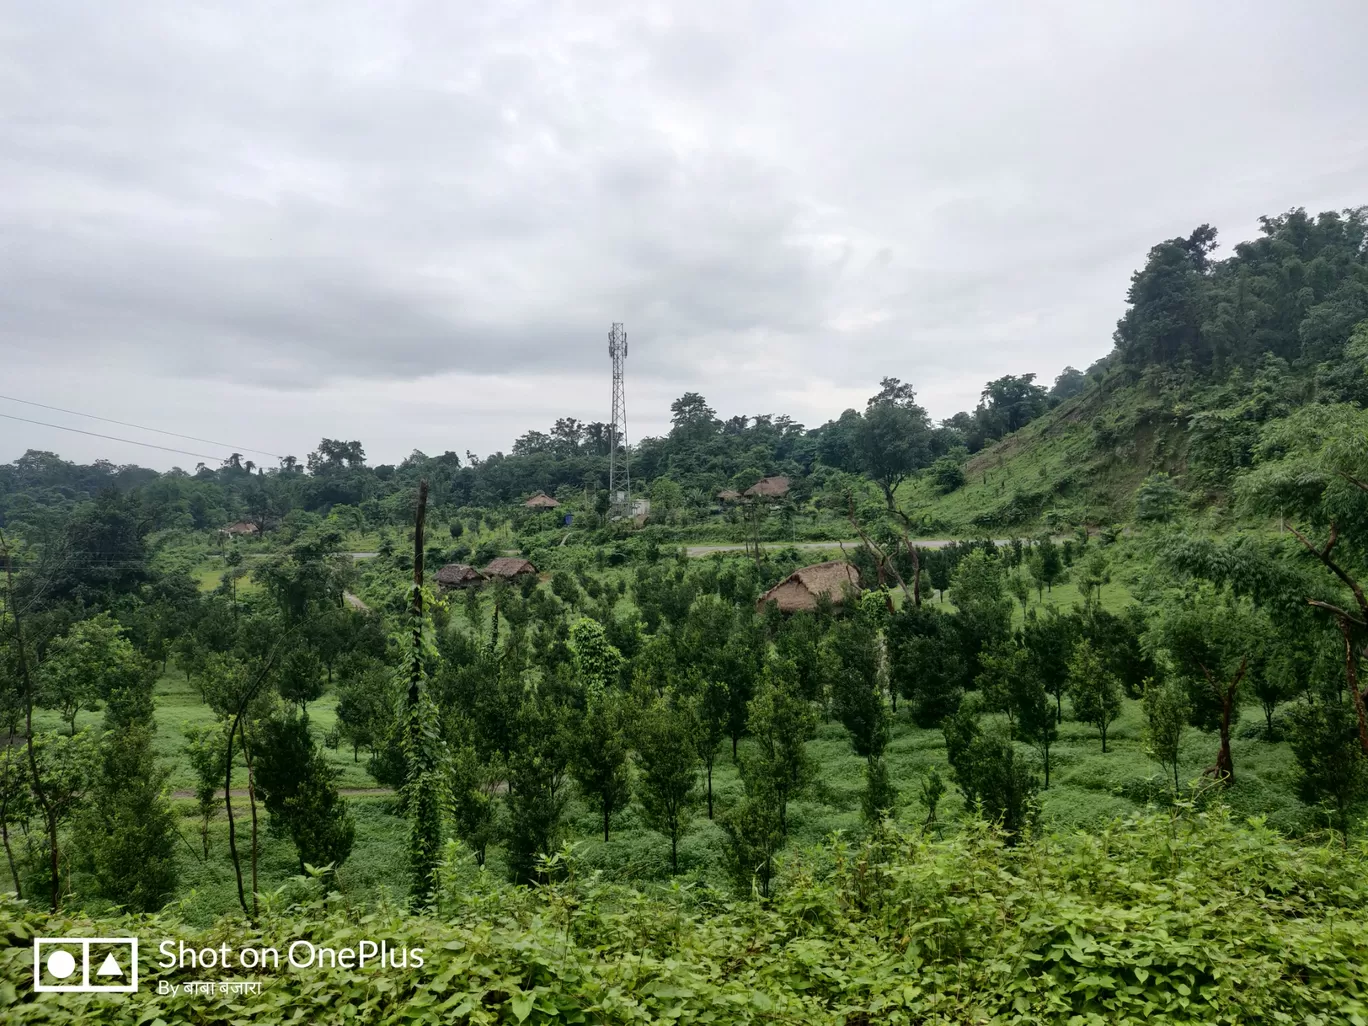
[413, 223]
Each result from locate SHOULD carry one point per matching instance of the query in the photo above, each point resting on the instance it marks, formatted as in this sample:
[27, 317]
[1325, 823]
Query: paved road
[921, 543]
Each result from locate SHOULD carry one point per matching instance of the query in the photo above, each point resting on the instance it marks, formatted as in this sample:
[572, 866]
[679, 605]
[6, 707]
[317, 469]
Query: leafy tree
[755, 834]
[1013, 401]
[299, 790]
[125, 833]
[857, 701]
[1051, 566]
[1332, 771]
[932, 790]
[988, 771]
[985, 609]
[780, 722]
[1313, 469]
[1118, 639]
[1020, 589]
[1095, 691]
[1049, 637]
[1157, 499]
[1071, 382]
[62, 772]
[924, 662]
[538, 766]
[692, 417]
[94, 661]
[597, 663]
[365, 704]
[948, 474]
[666, 749]
[599, 760]
[711, 715]
[1027, 703]
[1167, 712]
[207, 749]
[1211, 639]
[470, 791]
[893, 438]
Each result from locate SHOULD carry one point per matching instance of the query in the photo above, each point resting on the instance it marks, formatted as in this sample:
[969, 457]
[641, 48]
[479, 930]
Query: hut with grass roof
[458, 575]
[799, 591]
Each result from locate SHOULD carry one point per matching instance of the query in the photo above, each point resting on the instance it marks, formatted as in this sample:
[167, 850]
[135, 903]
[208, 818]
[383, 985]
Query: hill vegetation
[1110, 765]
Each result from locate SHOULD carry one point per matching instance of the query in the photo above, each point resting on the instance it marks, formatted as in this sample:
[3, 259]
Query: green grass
[1088, 789]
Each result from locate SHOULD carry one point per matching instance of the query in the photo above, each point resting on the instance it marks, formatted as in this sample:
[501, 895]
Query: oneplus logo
[106, 965]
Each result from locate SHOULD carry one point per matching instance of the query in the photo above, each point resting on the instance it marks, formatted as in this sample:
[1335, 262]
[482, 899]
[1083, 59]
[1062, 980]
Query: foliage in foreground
[1185, 919]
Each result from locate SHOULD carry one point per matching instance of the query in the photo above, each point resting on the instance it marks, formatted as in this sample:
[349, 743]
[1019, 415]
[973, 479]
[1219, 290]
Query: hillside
[1080, 463]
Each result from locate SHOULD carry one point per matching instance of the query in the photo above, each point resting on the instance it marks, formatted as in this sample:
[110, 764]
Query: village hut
[798, 591]
[728, 495]
[509, 568]
[541, 501]
[241, 527]
[769, 488]
[458, 575]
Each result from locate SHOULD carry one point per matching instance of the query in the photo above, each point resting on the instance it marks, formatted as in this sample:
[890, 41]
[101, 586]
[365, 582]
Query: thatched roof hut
[799, 590]
[241, 527]
[541, 501]
[769, 488]
[458, 575]
[509, 567]
[728, 495]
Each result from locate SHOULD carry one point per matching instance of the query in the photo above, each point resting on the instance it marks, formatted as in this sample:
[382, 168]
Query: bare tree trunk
[25, 675]
[251, 801]
[232, 825]
[9, 852]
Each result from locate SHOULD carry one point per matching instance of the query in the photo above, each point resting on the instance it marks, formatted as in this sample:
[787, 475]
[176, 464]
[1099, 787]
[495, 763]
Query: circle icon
[61, 964]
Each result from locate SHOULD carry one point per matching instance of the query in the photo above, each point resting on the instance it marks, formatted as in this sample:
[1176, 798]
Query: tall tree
[665, 739]
[893, 438]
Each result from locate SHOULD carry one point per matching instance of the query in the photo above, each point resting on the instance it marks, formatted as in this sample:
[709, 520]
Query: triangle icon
[109, 967]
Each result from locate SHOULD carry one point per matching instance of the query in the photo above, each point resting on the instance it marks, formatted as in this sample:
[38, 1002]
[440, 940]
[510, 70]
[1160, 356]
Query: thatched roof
[728, 495]
[541, 501]
[769, 488]
[509, 566]
[457, 575]
[799, 590]
[241, 527]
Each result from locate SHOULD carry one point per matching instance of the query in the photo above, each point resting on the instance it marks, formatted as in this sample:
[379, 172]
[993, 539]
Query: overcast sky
[413, 223]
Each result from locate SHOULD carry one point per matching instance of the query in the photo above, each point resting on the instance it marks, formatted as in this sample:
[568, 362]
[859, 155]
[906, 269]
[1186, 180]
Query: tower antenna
[619, 475]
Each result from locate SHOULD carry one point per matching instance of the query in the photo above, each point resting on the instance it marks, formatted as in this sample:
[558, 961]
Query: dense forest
[1103, 753]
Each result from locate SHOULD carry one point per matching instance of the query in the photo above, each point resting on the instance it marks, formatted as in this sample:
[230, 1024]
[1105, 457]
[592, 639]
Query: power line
[96, 434]
[141, 427]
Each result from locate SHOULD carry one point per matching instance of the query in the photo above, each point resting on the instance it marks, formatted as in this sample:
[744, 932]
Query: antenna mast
[619, 477]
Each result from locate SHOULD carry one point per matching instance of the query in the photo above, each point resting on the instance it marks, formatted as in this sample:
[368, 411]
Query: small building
[799, 590]
[241, 527]
[768, 488]
[509, 568]
[541, 501]
[728, 495]
[458, 575]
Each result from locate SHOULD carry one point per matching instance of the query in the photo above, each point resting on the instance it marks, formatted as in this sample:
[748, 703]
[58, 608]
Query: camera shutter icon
[85, 965]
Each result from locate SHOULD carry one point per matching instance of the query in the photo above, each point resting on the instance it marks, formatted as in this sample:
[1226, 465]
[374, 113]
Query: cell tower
[619, 476]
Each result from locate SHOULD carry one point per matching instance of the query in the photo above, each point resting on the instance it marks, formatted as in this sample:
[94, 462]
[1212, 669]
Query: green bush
[1171, 918]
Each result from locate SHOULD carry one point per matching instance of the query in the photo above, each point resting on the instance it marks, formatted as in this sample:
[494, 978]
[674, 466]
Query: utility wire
[141, 427]
[96, 434]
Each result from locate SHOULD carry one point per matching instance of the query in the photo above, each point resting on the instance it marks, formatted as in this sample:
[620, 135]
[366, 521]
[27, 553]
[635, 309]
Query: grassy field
[1088, 789]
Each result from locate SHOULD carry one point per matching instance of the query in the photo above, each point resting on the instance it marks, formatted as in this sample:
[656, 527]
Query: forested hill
[1209, 355]
[1206, 354]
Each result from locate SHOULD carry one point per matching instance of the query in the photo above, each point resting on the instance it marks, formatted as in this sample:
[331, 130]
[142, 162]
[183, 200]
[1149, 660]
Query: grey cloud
[297, 196]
